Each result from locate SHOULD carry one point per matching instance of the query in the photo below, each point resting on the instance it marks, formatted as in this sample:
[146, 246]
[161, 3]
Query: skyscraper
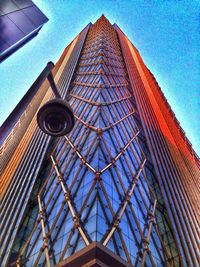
[20, 21]
[122, 189]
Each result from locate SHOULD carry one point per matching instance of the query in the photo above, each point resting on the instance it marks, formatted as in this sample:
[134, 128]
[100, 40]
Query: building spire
[103, 19]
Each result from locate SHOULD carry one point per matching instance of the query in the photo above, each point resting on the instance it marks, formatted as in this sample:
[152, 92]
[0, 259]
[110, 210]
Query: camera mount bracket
[55, 117]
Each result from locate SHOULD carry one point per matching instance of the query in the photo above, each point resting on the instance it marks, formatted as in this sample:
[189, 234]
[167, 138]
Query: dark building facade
[122, 189]
[20, 21]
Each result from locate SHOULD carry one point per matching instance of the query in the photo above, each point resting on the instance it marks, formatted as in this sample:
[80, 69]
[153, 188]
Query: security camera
[56, 117]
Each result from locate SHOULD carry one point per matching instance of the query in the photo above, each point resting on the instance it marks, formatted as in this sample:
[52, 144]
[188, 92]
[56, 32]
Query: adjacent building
[20, 21]
[122, 189]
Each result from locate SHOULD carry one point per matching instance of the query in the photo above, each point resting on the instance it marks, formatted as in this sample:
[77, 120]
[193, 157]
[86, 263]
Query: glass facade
[99, 183]
[96, 186]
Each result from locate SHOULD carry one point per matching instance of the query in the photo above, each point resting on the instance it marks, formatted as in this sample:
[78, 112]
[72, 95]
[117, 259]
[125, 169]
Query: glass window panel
[35, 15]
[1, 13]
[80, 245]
[3, 44]
[111, 246]
[9, 31]
[7, 6]
[23, 3]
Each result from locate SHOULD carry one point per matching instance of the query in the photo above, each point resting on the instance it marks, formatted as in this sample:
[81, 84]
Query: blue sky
[165, 32]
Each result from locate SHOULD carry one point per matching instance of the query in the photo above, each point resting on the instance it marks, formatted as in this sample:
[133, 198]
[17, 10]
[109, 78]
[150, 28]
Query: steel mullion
[85, 137]
[67, 198]
[147, 239]
[37, 259]
[46, 182]
[163, 257]
[88, 196]
[50, 196]
[128, 153]
[114, 180]
[100, 52]
[94, 72]
[116, 101]
[86, 124]
[114, 145]
[119, 154]
[151, 259]
[163, 246]
[120, 179]
[136, 220]
[131, 227]
[76, 88]
[108, 127]
[36, 240]
[108, 222]
[91, 145]
[79, 182]
[119, 119]
[44, 237]
[144, 201]
[122, 111]
[91, 85]
[106, 197]
[116, 169]
[60, 227]
[97, 103]
[68, 163]
[67, 244]
[124, 245]
[119, 160]
[75, 177]
[56, 145]
[77, 102]
[79, 155]
[125, 107]
[106, 146]
[87, 95]
[64, 149]
[112, 73]
[77, 124]
[26, 243]
[82, 114]
[82, 128]
[149, 187]
[118, 219]
[76, 190]
[56, 219]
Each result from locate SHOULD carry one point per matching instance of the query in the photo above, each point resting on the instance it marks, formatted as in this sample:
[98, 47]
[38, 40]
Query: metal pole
[46, 73]
[50, 78]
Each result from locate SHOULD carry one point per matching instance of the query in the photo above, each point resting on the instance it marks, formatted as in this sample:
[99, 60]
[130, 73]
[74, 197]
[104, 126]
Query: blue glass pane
[23, 3]
[8, 6]
[22, 21]
[9, 31]
[3, 45]
[35, 15]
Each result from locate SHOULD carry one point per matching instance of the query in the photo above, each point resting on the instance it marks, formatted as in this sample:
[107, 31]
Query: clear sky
[166, 34]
